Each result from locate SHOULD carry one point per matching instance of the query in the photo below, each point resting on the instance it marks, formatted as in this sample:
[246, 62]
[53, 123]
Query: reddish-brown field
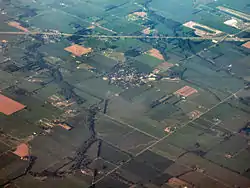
[78, 50]
[22, 150]
[246, 45]
[18, 26]
[9, 106]
[164, 66]
[175, 182]
[156, 53]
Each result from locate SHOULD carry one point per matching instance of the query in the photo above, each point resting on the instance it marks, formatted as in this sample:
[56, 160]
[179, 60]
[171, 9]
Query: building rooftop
[186, 91]
[141, 14]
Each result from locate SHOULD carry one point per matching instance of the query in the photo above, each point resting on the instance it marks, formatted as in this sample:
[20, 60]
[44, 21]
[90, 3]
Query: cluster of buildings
[49, 124]
[38, 77]
[69, 107]
[49, 36]
[59, 102]
[126, 76]
[203, 30]
[237, 23]
[136, 16]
